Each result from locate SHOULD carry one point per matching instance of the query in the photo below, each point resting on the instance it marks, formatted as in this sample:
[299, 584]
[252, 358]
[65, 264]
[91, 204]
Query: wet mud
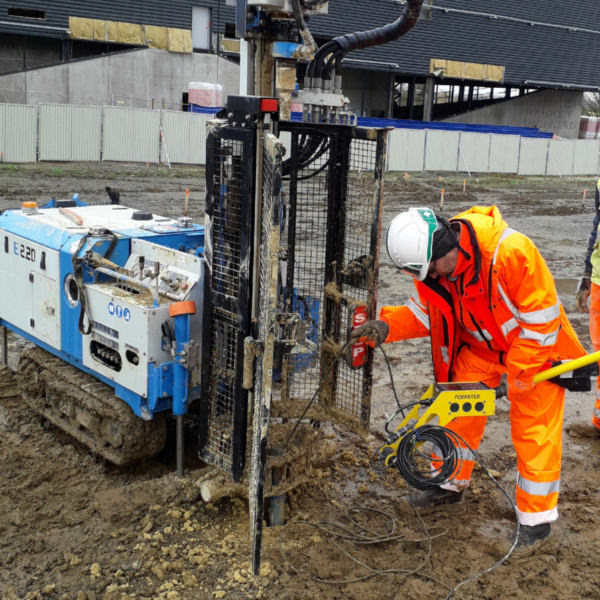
[75, 527]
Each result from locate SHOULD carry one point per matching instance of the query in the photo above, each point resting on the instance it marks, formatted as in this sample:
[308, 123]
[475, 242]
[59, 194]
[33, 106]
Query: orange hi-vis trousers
[595, 335]
[536, 419]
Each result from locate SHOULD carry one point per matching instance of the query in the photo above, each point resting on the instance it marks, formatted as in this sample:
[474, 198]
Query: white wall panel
[474, 152]
[532, 156]
[184, 137]
[406, 150]
[441, 150]
[586, 155]
[131, 134]
[504, 153]
[560, 157]
[68, 132]
[78, 133]
[18, 133]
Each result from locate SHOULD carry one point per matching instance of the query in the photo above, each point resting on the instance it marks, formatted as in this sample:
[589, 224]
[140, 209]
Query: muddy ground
[72, 526]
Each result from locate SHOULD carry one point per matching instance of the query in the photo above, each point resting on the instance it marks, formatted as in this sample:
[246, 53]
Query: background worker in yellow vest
[589, 291]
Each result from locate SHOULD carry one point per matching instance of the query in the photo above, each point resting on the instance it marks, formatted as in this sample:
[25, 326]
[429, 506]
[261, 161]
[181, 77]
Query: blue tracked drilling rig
[112, 297]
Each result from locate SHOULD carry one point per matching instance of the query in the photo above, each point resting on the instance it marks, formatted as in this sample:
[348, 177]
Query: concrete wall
[550, 110]
[18, 52]
[145, 78]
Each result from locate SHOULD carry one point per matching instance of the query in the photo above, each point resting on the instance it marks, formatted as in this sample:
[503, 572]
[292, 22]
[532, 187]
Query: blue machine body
[93, 286]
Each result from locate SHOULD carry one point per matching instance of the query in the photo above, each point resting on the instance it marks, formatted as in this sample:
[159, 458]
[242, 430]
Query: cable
[445, 443]
[401, 408]
[326, 375]
[359, 534]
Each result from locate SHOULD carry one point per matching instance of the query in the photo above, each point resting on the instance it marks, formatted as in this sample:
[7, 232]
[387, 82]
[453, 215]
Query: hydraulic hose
[381, 35]
[363, 39]
[303, 29]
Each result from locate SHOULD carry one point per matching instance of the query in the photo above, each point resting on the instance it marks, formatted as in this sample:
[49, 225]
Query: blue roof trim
[445, 126]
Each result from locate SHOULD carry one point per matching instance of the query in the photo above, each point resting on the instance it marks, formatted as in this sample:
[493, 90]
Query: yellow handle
[571, 365]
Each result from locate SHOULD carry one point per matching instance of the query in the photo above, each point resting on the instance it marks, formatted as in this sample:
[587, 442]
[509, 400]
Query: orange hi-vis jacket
[501, 301]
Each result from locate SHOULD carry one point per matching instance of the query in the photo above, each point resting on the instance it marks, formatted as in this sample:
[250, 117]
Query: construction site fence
[65, 132]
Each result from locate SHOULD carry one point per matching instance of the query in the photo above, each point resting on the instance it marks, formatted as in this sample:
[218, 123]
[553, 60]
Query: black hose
[302, 28]
[373, 37]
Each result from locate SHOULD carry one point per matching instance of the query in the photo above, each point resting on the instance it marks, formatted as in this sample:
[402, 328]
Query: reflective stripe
[511, 306]
[445, 354]
[456, 485]
[542, 316]
[596, 412]
[537, 518]
[480, 338]
[534, 317]
[544, 339]
[537, 488]
[507, 232]
[417, 309]
[509, 325]
[465, 453]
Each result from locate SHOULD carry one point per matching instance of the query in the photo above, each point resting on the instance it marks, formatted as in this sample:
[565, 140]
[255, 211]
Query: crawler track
[87, 409]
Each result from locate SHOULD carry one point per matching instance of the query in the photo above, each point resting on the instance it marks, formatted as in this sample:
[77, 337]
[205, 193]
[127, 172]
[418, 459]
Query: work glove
[374, 332]
[583, 294]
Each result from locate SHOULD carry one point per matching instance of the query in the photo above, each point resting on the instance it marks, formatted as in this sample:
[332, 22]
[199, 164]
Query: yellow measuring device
[443, 402]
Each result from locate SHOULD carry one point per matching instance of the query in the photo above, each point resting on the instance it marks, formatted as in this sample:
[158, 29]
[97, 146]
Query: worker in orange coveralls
[589, 291]
[488, 301]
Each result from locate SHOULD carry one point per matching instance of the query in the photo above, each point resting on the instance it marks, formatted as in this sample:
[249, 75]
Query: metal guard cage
[328, 216]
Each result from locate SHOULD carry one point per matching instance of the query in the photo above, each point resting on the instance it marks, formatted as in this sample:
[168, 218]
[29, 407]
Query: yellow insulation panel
[180, 40]
[164, 38]
[99, 29]
[82, 29]
[112, 31]
[157, 37]
[130, 33]
[465, 70]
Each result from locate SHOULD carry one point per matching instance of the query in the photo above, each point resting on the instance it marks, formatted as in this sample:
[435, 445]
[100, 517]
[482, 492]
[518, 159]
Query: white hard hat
[410, 240]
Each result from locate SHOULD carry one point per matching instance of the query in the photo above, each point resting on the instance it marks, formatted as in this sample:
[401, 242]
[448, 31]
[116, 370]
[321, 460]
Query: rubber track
[87, 409]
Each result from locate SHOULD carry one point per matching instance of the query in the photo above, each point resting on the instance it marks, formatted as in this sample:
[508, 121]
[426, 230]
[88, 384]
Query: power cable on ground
[447, 442]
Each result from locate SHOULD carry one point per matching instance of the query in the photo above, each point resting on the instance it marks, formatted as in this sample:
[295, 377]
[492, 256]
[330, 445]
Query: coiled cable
[427, 470]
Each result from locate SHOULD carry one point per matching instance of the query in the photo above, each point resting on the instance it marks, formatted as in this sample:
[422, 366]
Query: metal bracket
[252, 349]
[192, 355]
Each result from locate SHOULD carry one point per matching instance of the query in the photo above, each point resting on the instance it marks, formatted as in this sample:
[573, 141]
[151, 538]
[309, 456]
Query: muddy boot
[434, 497]
[534, 539]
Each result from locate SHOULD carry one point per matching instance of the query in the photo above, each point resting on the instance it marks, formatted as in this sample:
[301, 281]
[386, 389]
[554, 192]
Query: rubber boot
[434, 497]
[533, 539]
[530, 534]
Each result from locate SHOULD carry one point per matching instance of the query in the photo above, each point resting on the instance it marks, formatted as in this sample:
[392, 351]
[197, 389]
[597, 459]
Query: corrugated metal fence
[50, 132]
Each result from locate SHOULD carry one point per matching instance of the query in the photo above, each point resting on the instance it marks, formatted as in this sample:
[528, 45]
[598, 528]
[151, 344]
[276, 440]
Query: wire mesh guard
[229, 213]
[333, 188]
[323, 271]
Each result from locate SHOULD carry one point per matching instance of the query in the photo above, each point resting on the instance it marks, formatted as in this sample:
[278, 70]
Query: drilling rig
[238, 324]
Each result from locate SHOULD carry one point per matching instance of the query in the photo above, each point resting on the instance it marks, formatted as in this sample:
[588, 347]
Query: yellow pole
[571, 365]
